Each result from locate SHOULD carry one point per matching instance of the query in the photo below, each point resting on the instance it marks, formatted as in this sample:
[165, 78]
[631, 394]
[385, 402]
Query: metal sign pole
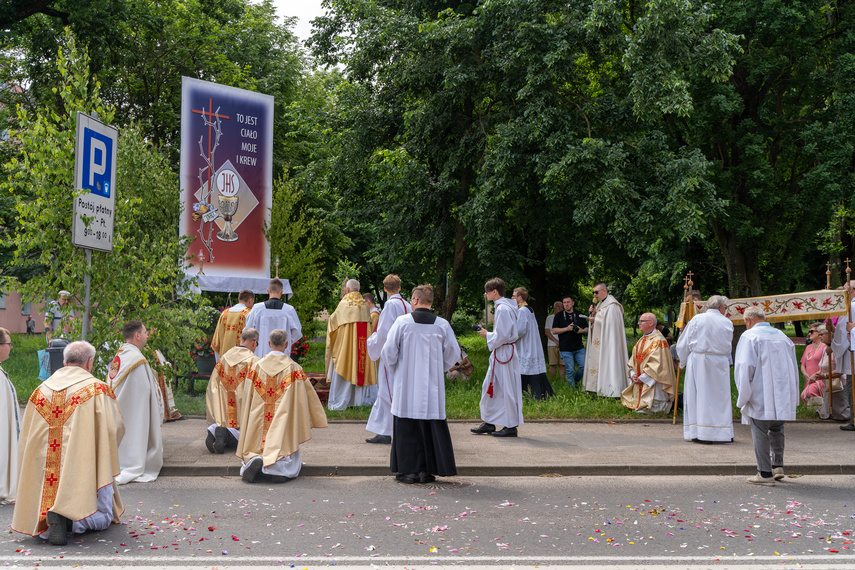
[86, 285]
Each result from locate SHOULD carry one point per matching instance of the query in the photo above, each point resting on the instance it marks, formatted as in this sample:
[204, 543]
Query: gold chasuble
[68, 450]
[225, 395]
[347, 337]
[229, 327]
[652, 356]
[280, 408]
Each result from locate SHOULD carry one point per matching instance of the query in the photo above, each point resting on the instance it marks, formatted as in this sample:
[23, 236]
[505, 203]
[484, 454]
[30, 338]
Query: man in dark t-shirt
[569, 325]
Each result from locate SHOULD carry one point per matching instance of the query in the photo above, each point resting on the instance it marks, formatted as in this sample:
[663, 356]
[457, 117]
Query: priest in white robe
[351, 372]
[766, 374]
[274, 314]
[68, 455]
[419, 349]
[704, 351]
[133, 382]
[651, 371]
[501, 392]
[532, 362]
[380, 421]
[10, 425]
[606, 354]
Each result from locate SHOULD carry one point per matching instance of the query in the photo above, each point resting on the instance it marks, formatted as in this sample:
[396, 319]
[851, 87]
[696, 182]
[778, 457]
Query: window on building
[2, 300]
[26, 308]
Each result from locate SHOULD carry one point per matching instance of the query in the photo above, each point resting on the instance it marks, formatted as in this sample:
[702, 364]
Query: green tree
[295, 240]
[142, 278]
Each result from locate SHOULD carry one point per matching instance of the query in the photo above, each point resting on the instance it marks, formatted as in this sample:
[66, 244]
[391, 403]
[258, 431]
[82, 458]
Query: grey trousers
[839, 403]
[768, 437]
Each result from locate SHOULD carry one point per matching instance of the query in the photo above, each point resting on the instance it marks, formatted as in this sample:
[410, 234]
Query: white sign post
[95, 175]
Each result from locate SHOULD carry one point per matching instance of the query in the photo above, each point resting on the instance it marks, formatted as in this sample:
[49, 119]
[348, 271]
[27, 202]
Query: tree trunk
[743, 274]
[536, 276]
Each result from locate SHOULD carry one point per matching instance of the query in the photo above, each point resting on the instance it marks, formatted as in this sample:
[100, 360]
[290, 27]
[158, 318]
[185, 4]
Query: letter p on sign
[97, 158]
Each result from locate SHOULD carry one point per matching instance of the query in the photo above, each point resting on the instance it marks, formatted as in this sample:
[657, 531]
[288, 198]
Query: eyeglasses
[598, 292]
[9, 343]
[811, 332]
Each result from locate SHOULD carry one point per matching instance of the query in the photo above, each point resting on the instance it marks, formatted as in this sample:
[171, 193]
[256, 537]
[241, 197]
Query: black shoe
[848, 427]
[505, 432]
[379, 439]
[702, 441]
[252, 468]
[277, 478]
[59, 527]
[209, 442]
[220, 439]
[483, 428]
[231, 441]
[426, 477]
[409, 478]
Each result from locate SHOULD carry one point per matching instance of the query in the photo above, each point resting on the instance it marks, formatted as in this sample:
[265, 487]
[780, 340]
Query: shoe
[277, 478]
[220, 439]
[760, 480]
[252, 468]
[848, 427]
[483, 428]
[505, 432]
[209, 442]
[778, 473]
[409, 478]
[426, 477]
[379, 439]
[59, 527]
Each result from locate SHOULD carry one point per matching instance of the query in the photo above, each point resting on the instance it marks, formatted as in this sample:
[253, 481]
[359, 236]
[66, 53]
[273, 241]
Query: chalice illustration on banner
[228, 186]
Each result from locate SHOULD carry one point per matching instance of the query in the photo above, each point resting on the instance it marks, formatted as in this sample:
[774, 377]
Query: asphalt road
[601, 522]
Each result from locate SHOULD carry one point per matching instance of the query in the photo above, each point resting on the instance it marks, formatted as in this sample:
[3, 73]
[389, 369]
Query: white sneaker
[760, 480]
[778, 473]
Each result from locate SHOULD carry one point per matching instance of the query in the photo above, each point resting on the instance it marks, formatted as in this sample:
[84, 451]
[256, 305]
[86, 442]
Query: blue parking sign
[97, 162]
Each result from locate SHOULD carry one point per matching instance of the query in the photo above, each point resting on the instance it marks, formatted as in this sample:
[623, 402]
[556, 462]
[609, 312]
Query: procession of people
[81, 437]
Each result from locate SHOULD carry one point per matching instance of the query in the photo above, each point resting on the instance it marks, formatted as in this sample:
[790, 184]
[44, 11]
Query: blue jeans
[571, 358]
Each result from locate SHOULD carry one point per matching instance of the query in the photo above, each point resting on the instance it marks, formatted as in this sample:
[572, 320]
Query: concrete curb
[518, 471]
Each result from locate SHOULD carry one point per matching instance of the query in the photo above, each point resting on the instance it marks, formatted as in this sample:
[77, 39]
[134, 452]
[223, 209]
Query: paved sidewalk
[550, 447]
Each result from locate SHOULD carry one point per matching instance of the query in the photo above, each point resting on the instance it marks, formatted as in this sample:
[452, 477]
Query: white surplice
[417, 356]
[766, 374]
[528, 344]
[841, 345]
[606, 353]
[10, 427]
[504, 406]
[704, 352]
[266, 320]
[138, 395]
[380, 421]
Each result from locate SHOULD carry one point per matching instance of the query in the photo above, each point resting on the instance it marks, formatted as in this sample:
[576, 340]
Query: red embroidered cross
[75, 400]
[53, 446]
[51, 480]
[232, 402]
[57, 411]
[268, 416]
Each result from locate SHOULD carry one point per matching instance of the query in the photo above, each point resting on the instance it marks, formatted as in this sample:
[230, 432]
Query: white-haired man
[651, 371]
[349, 368]
[69, 453]
[766, 374]
[704, 349]
[280, 408]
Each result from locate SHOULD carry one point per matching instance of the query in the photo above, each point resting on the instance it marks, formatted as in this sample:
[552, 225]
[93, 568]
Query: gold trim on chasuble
[56, 413]
[231, 383]
[270, 391]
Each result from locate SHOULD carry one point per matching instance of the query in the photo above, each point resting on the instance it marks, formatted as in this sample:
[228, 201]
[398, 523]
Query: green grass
[462, 396]
[23, 363]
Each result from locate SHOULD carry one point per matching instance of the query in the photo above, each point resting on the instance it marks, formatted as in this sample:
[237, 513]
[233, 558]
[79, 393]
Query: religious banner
[226, 180]
[811, 305]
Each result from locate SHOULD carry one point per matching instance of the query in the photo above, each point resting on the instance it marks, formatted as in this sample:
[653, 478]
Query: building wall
[13, 318]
